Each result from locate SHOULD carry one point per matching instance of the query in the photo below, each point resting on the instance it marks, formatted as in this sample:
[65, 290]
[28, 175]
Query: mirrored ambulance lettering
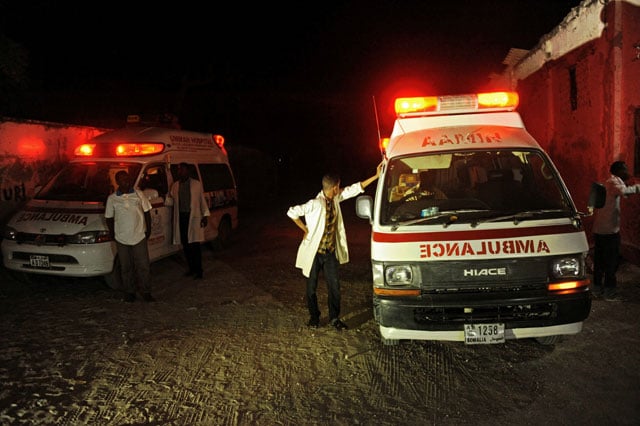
[429, 250]
[53, 217]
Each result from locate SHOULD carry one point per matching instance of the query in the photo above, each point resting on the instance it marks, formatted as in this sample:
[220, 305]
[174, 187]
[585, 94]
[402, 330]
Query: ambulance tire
[113, 279]
[548, 340]
[224, 234]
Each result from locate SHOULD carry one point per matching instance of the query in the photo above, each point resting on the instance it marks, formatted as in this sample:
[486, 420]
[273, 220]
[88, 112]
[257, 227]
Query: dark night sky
[318, 46]
[303, 58]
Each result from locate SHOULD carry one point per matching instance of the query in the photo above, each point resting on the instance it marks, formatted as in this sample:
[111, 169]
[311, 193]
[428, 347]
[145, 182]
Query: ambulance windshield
[87, 182]
[482, 185]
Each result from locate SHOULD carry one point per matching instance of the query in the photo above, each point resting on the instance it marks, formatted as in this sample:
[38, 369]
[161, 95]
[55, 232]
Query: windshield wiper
[453, 217]
[517, 217]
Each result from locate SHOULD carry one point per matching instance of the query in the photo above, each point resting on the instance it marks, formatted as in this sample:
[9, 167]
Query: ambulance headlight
[567, 267]
[9, 233]
[399, 275]
[89, 237]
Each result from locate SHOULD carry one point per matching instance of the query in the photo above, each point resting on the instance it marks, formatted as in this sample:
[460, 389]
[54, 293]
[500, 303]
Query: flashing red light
[384, 143]
[498, 100]
[219, 140]
[85, 150]
[451, 104]
[137, 149]
[118, 150]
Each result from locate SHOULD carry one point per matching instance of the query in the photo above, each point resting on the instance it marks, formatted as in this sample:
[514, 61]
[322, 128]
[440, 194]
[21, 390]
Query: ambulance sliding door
[153, 182]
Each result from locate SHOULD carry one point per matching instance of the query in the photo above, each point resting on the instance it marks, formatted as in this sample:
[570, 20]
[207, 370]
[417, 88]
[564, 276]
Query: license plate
[37, 261]
[483, 334]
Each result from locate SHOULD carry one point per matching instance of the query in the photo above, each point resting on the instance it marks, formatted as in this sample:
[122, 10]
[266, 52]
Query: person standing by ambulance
[190, 213]
[324, 245]
[606, 233]
[128, 217]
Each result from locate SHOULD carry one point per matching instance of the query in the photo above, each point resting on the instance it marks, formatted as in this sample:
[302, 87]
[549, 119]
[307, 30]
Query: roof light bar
[118, 149]
[456, 104]
[137, 149]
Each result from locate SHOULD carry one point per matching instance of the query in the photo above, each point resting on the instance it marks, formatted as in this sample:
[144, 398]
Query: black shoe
[338, 325]
[129, 297]
[313, 323]
[147, 297]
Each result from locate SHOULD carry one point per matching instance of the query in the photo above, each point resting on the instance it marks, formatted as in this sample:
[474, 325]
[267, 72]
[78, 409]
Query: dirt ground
[233, 349]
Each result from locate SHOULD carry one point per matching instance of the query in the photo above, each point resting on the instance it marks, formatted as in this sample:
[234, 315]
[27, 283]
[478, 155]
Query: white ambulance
[62, 229]
[475, 237]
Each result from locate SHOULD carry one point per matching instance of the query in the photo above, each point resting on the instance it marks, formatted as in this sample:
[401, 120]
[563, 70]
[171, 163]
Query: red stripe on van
[488, 234]
[89, 210]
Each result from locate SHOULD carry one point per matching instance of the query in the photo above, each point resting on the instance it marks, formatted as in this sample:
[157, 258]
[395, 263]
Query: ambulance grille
[42, 239]
[501, 275]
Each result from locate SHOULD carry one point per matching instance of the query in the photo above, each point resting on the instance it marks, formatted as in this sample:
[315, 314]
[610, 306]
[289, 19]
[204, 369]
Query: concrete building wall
[580, 97]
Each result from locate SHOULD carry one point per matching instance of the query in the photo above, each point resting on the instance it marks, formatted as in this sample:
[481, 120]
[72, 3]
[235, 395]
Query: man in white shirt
[324, 244]
[606, 233]
[129, 220]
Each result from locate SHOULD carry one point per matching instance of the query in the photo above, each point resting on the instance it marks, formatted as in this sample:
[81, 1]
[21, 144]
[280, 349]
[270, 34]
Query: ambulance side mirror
[364, 207]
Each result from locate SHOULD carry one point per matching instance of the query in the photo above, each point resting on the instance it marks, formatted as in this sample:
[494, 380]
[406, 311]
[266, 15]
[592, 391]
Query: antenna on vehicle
[375, 111]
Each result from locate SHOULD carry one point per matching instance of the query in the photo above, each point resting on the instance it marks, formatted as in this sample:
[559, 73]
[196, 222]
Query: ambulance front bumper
[522, 318]
[73, 260]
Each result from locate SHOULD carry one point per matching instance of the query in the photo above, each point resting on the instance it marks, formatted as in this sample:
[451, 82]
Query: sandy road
[232, 349]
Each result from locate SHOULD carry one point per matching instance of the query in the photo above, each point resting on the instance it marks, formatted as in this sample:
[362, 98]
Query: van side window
[216, 177]
[193, 173]
[155, 177]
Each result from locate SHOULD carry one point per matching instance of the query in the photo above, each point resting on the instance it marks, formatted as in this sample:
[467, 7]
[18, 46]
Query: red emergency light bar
[118, 150]
[457, 104]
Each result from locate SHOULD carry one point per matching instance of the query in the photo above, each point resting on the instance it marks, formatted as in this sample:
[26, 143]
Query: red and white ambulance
[475, 237]
[62, 230]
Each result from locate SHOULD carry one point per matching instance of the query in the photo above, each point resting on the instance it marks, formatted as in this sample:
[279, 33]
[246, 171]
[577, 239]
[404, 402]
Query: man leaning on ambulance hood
[324, 245]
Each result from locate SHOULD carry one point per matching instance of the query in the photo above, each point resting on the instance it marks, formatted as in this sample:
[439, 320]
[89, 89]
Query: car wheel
[224, 234]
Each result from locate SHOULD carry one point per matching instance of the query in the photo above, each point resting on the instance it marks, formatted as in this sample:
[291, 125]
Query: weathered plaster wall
[600, 43]
[30, 153]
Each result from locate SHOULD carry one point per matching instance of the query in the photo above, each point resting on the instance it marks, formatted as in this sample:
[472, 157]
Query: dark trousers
[192, 251]
[134, 267]
[329, 265]
[606, 258]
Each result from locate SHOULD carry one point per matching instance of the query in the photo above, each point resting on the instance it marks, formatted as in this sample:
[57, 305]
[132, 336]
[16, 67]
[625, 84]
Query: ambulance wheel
[114, 279]
[224, 234]
[548, 340]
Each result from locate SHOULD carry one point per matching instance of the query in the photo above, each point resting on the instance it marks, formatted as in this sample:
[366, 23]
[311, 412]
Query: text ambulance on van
[475, 237]
[62, 230]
